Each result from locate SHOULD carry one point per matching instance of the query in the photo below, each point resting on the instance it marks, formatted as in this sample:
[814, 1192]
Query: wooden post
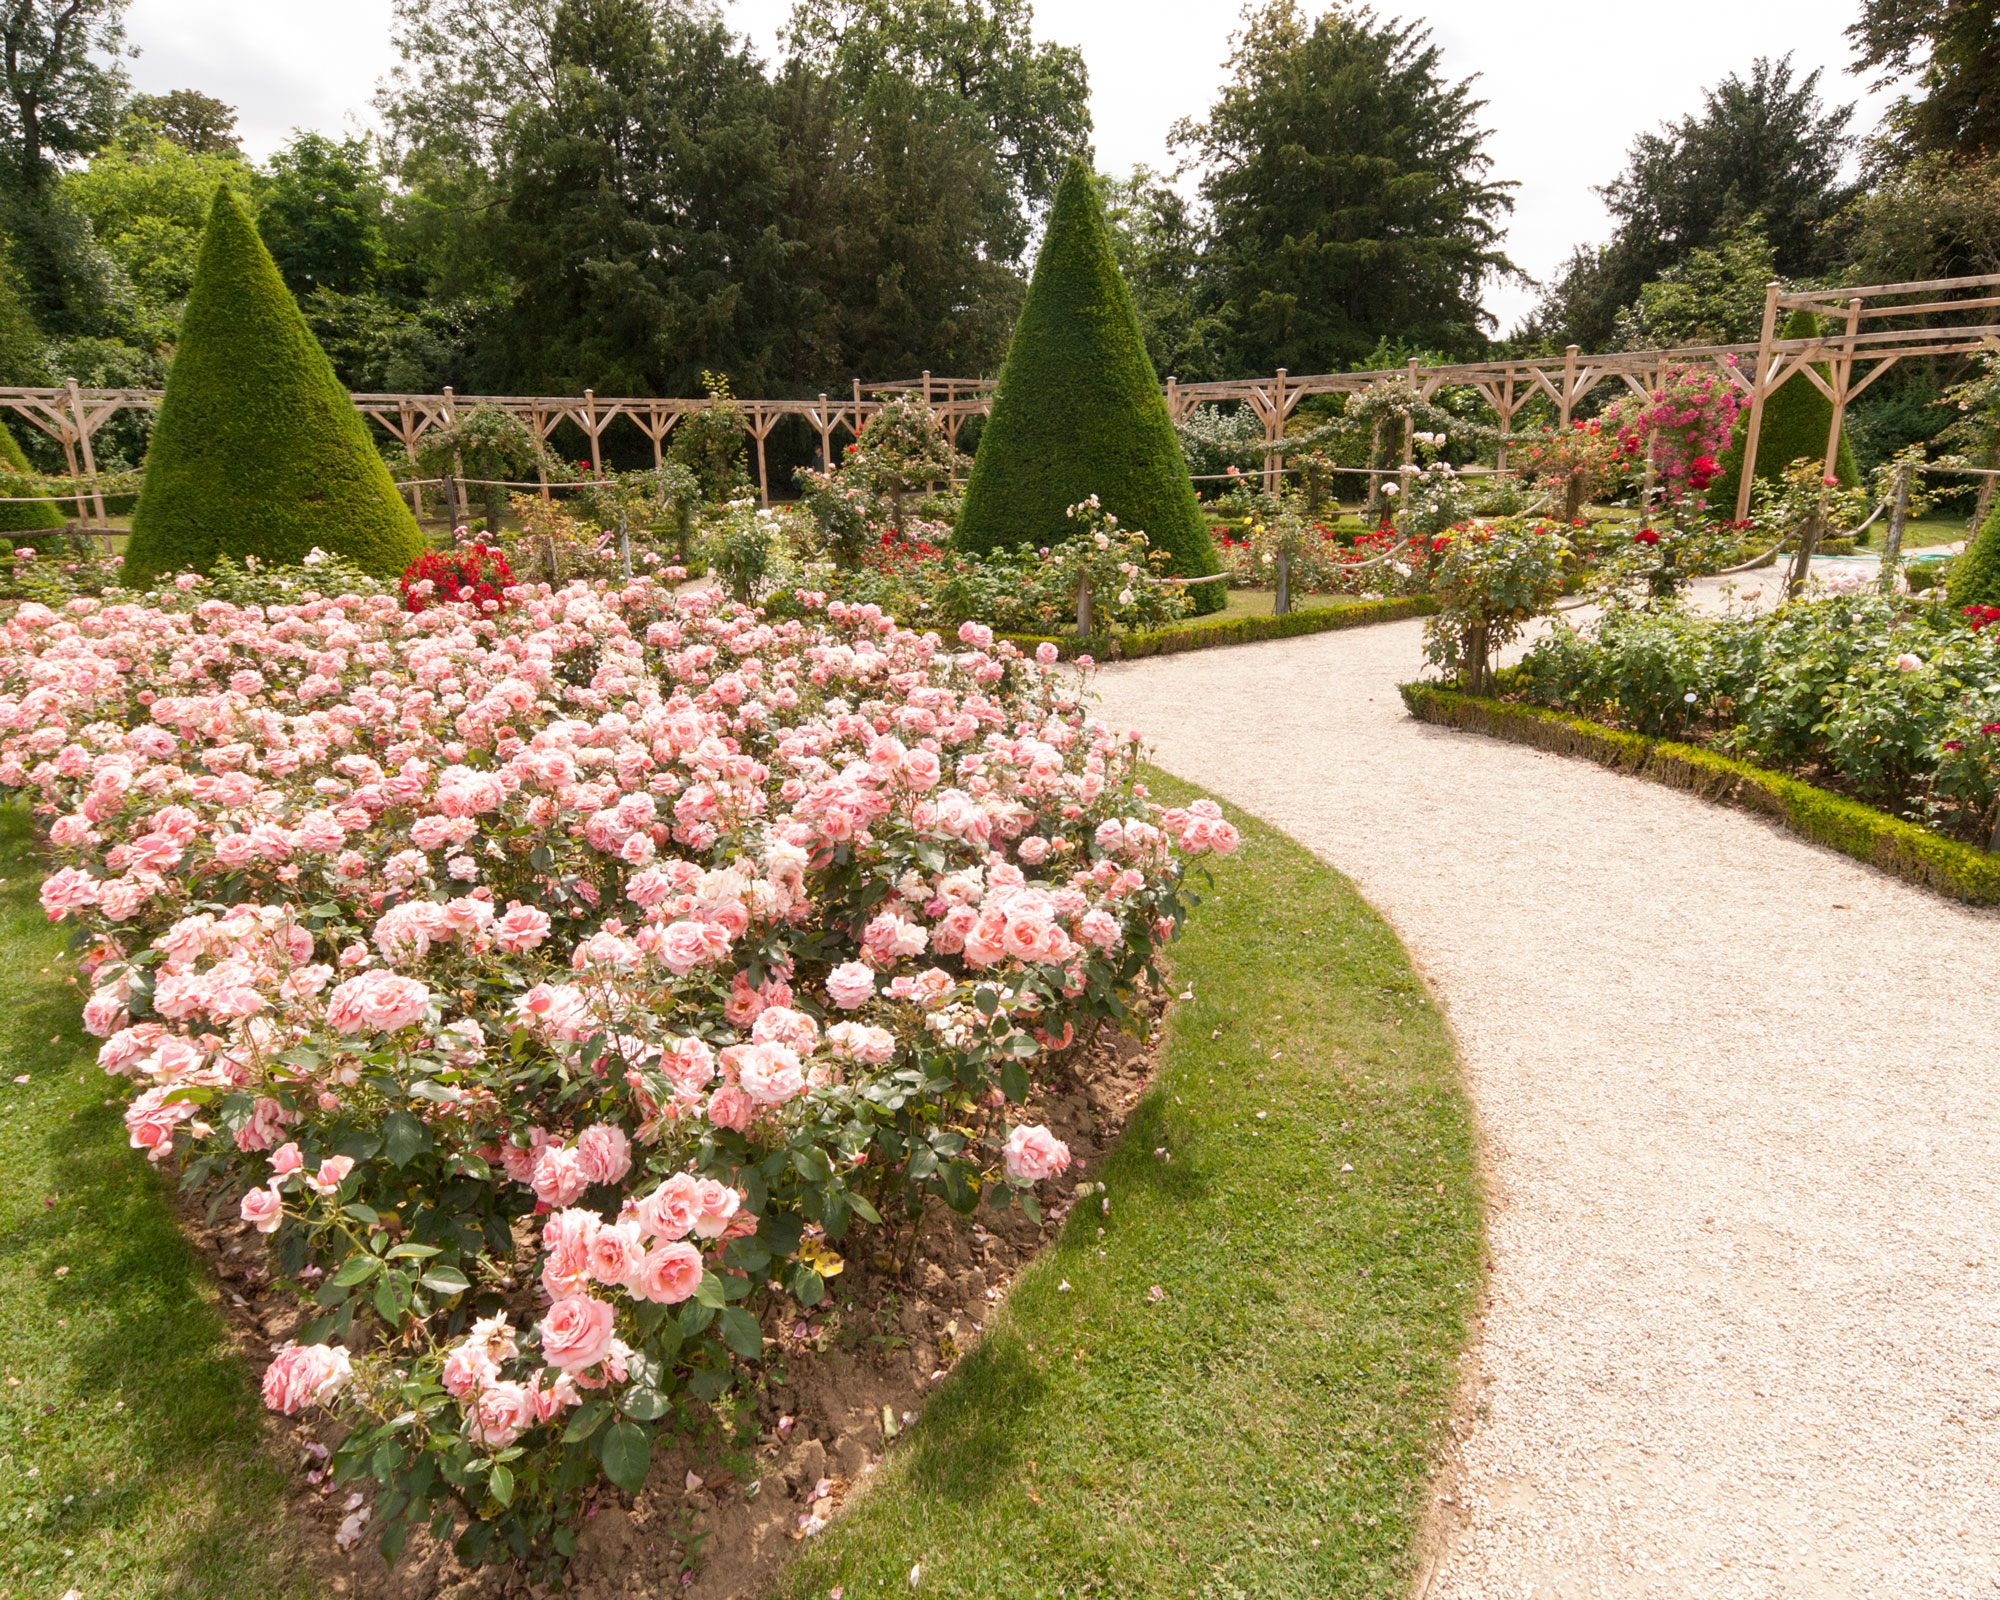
[1892, 541]
[590, 411]
[89, 456]
[823, 422]
[1281, 603]
[1274, 433]
[1842, 369]
[1759, 377]
[1083, 617]
[1569, 384]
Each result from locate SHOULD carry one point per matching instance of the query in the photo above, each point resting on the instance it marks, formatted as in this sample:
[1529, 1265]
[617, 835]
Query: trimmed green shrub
[1796, 419]
[1873, 837]
[258, 450]
[1244, 630]
[23, 516]
[1078, 411]
[1973, 578]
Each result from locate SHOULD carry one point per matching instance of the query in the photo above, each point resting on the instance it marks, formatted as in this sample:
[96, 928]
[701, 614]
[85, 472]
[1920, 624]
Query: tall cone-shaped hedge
[1796, 419]
[258, 449]
[1974, 578]
[22, 516]
[1078, 410]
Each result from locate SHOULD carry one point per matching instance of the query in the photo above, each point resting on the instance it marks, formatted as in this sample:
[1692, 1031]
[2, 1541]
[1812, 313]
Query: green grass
[130, 1455]
[1268, 1428]
[1260, 603]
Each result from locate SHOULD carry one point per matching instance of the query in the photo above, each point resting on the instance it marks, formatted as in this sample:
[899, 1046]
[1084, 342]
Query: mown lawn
[130, 1462]
[1266, 1424]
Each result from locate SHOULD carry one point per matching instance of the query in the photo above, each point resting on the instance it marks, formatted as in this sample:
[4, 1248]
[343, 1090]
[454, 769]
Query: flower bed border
[1245, 630]
[1872, 837]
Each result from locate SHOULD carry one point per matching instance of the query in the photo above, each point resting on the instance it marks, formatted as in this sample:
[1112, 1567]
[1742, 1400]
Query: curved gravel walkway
[1741, 1105]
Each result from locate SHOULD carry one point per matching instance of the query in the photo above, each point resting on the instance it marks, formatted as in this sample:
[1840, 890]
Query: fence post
[1083, 616]
[1842, 370]
[1569, 384]
[1282, 604]
[89, 456]
[1892, 541]
[1754, 429]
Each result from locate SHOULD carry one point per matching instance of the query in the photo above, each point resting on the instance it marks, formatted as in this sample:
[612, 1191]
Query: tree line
[625, 195]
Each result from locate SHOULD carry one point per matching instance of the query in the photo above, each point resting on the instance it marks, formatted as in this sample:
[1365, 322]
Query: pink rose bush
[554, 987]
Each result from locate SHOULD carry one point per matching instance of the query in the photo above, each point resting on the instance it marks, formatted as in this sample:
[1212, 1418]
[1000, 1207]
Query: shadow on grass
[136, 1462]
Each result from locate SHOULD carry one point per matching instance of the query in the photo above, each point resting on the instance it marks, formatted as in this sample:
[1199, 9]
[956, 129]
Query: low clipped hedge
[1873, 837]
[1244, 630]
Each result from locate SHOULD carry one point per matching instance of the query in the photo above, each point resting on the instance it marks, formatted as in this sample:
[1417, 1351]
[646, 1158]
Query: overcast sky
[1568, 82]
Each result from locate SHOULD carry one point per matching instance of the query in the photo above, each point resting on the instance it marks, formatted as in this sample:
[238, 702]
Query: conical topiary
[1974, 577]
[1796, 419]
[1078, 411]
[258, 449]
[23, 516]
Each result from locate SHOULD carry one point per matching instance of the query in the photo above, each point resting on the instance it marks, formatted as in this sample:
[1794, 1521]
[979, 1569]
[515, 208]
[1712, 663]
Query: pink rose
[769, 1073]
[670, 1211]
[378, 1001]
[468, 1369]
[670, 1274]
[605, 1152]
[576, 1333]
[849, 985]
[729, 1107]
[1032, 1154]
[285, 1160]
[263, 1209]
[567, 1237]
[719, 1204]
[616, 1254]
[332, 1174]
[520, 928]
[501, 1413]
[559, 1175]
[303, 1373]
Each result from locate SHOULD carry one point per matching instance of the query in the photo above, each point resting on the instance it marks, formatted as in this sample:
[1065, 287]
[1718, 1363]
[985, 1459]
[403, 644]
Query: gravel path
[1741, 1112]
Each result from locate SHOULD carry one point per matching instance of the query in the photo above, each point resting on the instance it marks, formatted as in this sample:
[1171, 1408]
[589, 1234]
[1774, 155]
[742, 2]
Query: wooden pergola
[1927, 318]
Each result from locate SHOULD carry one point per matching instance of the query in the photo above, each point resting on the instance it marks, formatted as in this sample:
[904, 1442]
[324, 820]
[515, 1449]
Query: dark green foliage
[1796, 420]
[22, 516]
[1763, 148]
[258, 450]
[1974, 578]
[1348, 186]
[1079, 412]
[321, 216]
[1952, 50]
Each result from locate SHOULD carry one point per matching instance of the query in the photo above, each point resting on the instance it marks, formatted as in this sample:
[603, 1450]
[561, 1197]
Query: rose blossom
[719, 1204]
[500, 1414]
[670, 1211]
[576, 1333]
[381, 1001]
[1032, 1154]
[616, 1253]
[670, 1273]
[264, 1209]
[849, 985]
[302, 1373]
[605, 1152]
[559, 1175]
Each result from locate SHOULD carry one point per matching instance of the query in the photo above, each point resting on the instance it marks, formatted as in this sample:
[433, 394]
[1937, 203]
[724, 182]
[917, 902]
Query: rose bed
[610, 952]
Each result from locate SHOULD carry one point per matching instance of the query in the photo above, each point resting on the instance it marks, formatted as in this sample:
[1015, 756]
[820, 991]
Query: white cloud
[1569, 82]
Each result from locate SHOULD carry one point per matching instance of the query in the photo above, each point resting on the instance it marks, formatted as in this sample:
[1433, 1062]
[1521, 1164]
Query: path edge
[1874, 838]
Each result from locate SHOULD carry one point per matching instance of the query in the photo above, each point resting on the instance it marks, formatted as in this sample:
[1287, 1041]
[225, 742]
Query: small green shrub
[23, 515]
